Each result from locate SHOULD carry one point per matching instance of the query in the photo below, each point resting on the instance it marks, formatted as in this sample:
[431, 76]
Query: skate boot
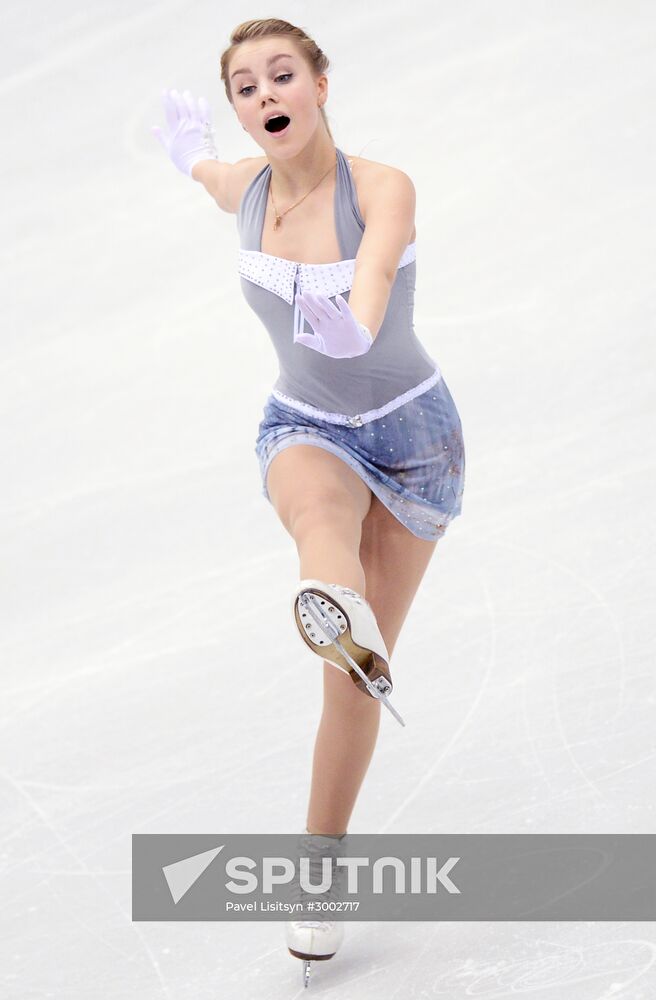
[314, 940]
[339, 625]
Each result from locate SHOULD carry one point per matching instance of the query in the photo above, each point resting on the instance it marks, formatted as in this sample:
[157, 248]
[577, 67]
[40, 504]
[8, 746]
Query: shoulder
[379, 181]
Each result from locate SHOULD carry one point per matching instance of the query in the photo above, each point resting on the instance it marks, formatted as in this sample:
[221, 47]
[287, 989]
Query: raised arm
[189, 137]
[226, 182]
[189, 142]
[215, 178]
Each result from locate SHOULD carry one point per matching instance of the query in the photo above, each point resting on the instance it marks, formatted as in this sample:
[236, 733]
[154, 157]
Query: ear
[322, 89]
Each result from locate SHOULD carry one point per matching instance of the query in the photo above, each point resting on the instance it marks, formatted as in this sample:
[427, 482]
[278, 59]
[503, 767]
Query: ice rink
[151, 680]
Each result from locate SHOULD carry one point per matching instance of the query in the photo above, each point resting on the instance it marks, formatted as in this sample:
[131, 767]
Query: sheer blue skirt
[412, 458]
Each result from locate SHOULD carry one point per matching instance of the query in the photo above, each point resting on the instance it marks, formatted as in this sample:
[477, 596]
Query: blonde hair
[308, 48]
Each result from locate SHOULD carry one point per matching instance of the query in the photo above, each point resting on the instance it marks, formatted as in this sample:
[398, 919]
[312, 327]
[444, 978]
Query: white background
[151, 678]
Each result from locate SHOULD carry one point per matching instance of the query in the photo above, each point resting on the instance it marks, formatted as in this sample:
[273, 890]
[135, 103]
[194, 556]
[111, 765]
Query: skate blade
[313, 611]
[368, 684]
[388, 705]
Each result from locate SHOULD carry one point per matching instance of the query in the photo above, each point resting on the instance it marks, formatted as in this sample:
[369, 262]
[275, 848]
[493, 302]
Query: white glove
[190, 136]
[337, 333]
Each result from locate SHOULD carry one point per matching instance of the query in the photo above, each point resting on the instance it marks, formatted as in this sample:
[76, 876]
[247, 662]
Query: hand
[337, 332]
[190, 136]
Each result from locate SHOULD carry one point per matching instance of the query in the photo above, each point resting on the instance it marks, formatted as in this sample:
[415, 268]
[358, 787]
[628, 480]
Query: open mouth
[277, 124]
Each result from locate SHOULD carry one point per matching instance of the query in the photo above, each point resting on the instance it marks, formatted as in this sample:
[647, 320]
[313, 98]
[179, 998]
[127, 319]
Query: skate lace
[315, 852]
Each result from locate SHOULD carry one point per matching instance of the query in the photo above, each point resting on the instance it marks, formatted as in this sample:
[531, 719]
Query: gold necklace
[280, 217]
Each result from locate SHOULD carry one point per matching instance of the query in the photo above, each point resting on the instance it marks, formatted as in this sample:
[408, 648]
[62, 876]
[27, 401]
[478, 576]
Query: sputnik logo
[181, 875]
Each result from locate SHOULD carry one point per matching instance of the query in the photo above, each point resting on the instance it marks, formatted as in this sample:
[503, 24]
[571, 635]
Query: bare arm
[226, 182]
[390, 221]
[212, 174]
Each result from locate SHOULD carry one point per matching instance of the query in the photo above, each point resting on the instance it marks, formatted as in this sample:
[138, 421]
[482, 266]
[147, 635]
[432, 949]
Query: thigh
[394, 561]
[303, 476]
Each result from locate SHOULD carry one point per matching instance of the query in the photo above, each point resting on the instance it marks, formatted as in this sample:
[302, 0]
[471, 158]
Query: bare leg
[343, 750]
[322, 503]
[328, 547]
[394, 562]
[345, 535]
[329, 550]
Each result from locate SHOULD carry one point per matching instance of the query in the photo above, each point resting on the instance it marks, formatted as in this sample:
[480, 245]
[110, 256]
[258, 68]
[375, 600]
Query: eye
[280, 77]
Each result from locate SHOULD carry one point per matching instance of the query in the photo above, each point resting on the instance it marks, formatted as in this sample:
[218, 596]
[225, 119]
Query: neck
[293, 176]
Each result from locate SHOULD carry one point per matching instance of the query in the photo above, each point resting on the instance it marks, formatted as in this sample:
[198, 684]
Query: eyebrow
[281, 55]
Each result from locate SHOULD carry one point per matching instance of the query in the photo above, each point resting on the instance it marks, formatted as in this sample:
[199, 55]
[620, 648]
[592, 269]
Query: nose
[265, 91]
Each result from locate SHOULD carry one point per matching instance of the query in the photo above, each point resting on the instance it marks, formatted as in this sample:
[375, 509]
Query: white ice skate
[316, 940]
[339, 625]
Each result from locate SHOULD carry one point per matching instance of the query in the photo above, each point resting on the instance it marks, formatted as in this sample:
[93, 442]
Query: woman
[377, 471]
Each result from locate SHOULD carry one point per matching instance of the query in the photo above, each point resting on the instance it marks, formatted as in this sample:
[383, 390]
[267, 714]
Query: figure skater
[377, 471]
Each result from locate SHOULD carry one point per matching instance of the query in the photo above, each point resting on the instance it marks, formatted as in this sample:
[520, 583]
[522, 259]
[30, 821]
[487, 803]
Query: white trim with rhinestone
[277, 274]
[360, 418]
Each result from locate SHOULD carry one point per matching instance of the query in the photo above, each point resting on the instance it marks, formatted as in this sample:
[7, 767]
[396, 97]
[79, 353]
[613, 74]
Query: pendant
[277, 222]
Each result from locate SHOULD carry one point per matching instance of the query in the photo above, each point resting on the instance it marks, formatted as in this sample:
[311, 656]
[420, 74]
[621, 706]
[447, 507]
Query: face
[276, 82]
